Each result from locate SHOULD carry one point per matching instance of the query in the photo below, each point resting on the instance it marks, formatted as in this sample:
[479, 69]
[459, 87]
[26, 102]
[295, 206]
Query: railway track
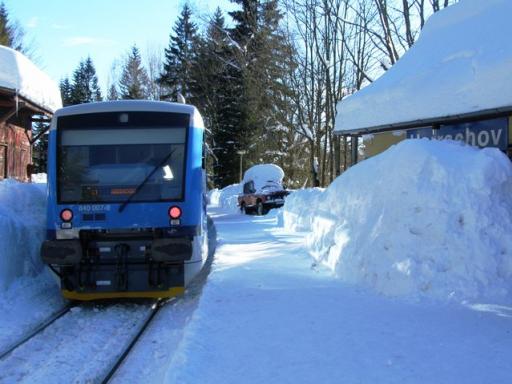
[35, 331]
[154, 310]
[26, 345]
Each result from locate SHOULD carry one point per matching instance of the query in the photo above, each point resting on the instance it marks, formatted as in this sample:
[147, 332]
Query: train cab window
[108, 165]
[135, 154]
[101, 155]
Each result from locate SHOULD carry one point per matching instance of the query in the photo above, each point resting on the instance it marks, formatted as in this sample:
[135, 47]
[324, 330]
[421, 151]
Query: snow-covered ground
[25, 305]
[268, 314]
[28, 292]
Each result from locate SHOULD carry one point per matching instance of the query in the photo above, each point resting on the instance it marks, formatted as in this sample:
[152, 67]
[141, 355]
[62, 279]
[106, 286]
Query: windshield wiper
[139, 187]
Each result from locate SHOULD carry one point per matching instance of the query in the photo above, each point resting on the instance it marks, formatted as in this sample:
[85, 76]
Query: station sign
[483, 133]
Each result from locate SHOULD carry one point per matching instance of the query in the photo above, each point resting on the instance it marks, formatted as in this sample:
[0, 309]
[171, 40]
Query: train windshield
[107, 165]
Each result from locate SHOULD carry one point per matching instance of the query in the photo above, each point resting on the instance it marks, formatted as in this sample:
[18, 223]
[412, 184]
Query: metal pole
[354, 149]
[241, 153]
[241, 157]
[337, 156]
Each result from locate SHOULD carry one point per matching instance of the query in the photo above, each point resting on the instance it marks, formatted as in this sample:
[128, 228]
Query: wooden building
[16, 115]
[26, 95]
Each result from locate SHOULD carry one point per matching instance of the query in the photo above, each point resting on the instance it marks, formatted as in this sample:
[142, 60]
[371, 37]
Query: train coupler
[121, 252]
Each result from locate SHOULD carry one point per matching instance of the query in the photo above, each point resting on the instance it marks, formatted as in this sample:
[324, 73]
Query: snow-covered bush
[22, 229]
[424, 218]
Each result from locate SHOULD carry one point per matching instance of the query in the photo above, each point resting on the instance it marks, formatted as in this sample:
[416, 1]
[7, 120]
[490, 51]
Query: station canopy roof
[20, 76]
[461, 66]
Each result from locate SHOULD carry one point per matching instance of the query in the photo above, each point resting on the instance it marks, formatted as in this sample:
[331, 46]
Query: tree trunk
[407, 22]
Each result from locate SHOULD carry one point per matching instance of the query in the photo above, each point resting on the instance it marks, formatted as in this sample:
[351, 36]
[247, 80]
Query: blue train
[126, 199]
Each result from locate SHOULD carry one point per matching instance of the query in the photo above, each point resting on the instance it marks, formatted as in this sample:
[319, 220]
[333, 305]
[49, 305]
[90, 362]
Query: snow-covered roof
[461, 64]
[19, 74]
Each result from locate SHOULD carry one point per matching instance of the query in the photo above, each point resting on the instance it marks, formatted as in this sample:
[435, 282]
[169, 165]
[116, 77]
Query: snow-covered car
[262, 189]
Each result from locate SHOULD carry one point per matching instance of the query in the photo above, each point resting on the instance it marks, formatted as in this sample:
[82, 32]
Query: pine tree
[246, 22]
[134, 79]
[11, 34]
[180, 57]
[269, 82]
[5, 34]
[215, 91]
[113, 94]
[85, 88]
[263, 78]
[243, 33]
[65, 91]
[113, 81]
[40, 149]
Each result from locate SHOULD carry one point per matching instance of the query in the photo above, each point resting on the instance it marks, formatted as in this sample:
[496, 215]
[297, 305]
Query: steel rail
[154, 310]
[35, 331]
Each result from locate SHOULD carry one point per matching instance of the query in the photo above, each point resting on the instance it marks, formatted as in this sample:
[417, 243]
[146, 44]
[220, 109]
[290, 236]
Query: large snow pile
[228, 197]
[423, 219]
[301, 205]
[19, 74]
[461, 63]
[265, 176]
[22, 229]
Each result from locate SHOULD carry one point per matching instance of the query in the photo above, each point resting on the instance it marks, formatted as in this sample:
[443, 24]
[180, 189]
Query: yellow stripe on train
[172, 292]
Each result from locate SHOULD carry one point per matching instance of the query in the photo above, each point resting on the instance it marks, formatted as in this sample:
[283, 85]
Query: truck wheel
[259, 208]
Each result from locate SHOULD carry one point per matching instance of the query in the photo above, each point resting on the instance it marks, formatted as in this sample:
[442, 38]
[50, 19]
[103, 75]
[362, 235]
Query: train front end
[126, 212]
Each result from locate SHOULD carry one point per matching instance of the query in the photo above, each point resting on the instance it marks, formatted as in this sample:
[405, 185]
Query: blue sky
[62, 32]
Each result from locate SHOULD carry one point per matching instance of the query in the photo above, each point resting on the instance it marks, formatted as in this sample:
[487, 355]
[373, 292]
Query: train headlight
[174, 212]
[66, 215]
